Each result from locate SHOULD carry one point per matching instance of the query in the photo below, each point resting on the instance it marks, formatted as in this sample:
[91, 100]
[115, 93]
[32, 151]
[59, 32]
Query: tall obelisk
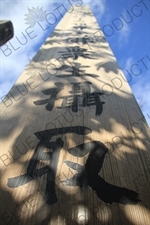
[74, 142]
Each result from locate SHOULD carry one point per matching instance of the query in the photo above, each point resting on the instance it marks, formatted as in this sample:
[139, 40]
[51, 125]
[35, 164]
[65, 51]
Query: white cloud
[141, 90]
[124, 31]
[97, 6]
[128, 63]
[13, 61]
[13, 64]
[125, 66]
[140, 87]
[124, 34]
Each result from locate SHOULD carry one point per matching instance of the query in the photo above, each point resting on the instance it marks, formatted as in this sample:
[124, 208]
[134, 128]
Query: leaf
[27, 15]
[30, 17]
[33, 12]
[27, 23]
[41, 14]
[32, 24]
[34, 8]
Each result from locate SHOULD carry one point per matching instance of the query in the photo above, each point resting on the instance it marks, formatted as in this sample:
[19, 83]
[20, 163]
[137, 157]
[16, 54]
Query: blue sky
[126, 25]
